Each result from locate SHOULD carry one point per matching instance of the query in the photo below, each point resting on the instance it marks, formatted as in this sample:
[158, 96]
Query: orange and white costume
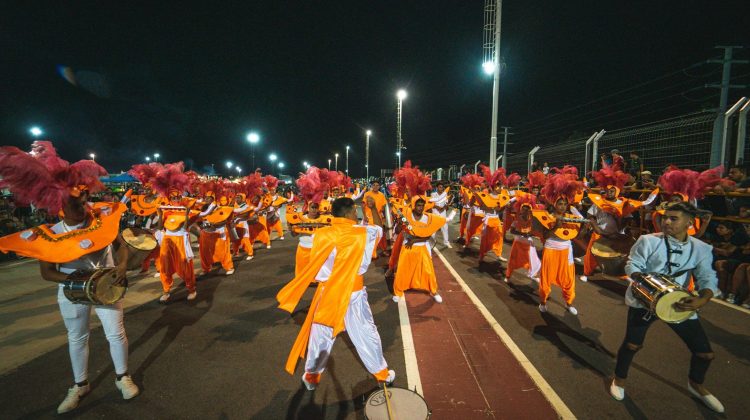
[213, 242]
[415, 270]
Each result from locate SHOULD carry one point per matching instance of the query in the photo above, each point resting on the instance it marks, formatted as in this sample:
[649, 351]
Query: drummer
[77, 229]
[676, 254]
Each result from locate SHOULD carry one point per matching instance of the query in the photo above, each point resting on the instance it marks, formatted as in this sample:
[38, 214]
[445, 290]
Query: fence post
[727, 116]
[531, 158]
[741, 131]
[595, 149]
[586, 160]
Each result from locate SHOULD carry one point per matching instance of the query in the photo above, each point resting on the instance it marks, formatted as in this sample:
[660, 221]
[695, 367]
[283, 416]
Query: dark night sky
[310, 77]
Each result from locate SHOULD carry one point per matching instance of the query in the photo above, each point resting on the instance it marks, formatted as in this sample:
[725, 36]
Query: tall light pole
[491, 65]
[329, 164]
[92, 156]
[253, 139]
[367, 154]
[336, 165]
[36, 131]
[347, 160]
[401, 95]
[239, 170]
[272, 157]
[156, 157]
[229, 165]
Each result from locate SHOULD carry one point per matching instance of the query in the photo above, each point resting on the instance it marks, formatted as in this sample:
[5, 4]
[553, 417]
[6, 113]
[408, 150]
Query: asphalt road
[222, 356]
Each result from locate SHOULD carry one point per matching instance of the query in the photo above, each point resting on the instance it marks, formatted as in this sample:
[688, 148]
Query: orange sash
[424, 229]
[43, 244]
[331, 298]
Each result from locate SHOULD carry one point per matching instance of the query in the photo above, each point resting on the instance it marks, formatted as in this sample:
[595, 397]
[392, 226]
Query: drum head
[666, 311]
[405, 404]
[139, 239]
[102, 291]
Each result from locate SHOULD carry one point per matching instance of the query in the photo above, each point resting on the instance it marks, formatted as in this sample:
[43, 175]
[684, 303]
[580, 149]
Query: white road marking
[557, 403]
[410, 355]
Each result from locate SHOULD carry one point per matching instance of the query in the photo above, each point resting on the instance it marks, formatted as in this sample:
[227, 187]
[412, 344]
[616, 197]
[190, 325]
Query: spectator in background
[545, 168]
[738, 174]
[534, 166]
[605, 160]
[618, 162]
[741, 277]
[636, 165]
[646, 181]
[727, 242]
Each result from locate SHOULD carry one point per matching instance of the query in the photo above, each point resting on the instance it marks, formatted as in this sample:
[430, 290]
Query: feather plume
[608, 176]
[560, 185]
[493, 178]
[512, 180]
[537, 179]
[171, 177]
[472, 180]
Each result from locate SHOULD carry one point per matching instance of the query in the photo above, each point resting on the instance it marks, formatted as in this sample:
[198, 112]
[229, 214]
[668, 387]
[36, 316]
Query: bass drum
[612, 252]
[140, 244]
[400, 404]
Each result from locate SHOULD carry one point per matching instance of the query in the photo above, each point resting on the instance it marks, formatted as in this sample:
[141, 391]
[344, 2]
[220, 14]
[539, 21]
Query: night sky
[310, 77]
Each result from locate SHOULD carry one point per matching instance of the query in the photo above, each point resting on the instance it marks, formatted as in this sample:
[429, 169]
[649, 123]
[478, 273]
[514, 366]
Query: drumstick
[388, 402]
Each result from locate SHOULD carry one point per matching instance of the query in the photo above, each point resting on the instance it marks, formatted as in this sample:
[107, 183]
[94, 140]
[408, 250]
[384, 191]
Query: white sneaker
[730, 298]
[573, 310]
[395, 299]
[617, 392]
[583, 279]
[127, 387]
[309, 385]
[230, 272]
[391, 377]
[249, 257]
[164, 298]
[746, 305]
[503, 259]
[448, 245]
[578, 260]
[542, 308]
[438, 298]
[536, 279]
[73, 398]
[268, 246]
[192, 295]
[157, 274]
[711, 402]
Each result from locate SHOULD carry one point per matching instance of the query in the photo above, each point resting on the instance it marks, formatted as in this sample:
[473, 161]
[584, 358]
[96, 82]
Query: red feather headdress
[171, 178]
[512, 180]
[493, 178]
[560, 185]
[608, 177]
[472, 180]
[409, 179]
[312, 186]
[537, 179]
[271, 182]
[690, 184]
[44, 179]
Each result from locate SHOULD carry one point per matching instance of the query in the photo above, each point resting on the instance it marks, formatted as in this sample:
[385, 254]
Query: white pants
[362, 331]
[76, 317]
[443, 229]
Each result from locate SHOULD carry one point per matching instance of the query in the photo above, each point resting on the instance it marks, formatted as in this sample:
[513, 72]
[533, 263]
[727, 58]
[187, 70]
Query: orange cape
[45, 245]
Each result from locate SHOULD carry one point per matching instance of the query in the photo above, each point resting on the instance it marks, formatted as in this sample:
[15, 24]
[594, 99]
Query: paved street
[223, 355]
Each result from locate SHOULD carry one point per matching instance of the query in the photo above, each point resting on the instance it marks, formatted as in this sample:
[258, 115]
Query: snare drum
[612, 253]
[404, 404]
[93, 287]
[659, 293]
[140, 244]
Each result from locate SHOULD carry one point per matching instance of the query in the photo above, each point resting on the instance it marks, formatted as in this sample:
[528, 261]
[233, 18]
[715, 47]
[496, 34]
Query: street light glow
[35, 131]
[401, 94]
[253, 138]
[148, 158]
[281, 165]
[272, 157]
[489, 67]
[229, 164]
[398, 153]
[157, 156]
[239, 170]
[92, 156]
[369, 132]
[337, 155]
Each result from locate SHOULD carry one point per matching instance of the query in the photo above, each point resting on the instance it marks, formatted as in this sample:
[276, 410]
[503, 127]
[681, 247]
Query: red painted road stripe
[466, 371]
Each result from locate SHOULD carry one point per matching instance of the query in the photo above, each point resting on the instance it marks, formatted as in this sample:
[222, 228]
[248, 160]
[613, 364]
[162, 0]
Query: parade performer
[608, 211]
[415, 270]
[557, 258]
[213, 242]
[523, 253]
[144, 206]
[492, 204]
[312, 185]
[685, 185]
[257, 222]
[239, 220]
[273, 202]
[511, 183]
[674, 253]
[374, 200]
[84, 241]
[339, 257]
[470, 184]
[174, 220]
[441, 200]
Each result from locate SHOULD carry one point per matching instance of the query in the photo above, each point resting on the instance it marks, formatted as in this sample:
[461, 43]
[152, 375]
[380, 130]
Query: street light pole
[347, 160]
[253, 138]
[401, 95]
[336, 166]
[492, 21]
[367, 154]
[329, 164]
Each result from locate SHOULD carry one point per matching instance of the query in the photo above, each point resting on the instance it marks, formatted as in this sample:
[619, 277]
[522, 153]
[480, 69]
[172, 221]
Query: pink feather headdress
[493, 178]
[560, 185]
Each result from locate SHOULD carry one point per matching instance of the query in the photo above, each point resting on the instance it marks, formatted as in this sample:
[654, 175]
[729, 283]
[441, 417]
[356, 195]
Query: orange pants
[243, 242]
[396, 251]
[589, 260]
[415, 271]
[492, 239]
[556, 269]
[259, 233]
[154, 255]
[214, 249]
[519, 257]
[301, 258]
[277, 227]
[474, 228]
[173, 260]
[462, 226]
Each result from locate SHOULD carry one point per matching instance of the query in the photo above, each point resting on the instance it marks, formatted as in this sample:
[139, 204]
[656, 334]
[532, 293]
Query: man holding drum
[81, 243]
[676, 254]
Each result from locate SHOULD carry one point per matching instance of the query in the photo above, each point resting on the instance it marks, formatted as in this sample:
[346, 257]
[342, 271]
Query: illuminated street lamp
[329, 164]
[92, 156]
[336, 164]
[367, 153]
[401, 95]
[156, 157]
[253, 139]
[229, 164]
[148, 158]
[36, 131]
[347, 160]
